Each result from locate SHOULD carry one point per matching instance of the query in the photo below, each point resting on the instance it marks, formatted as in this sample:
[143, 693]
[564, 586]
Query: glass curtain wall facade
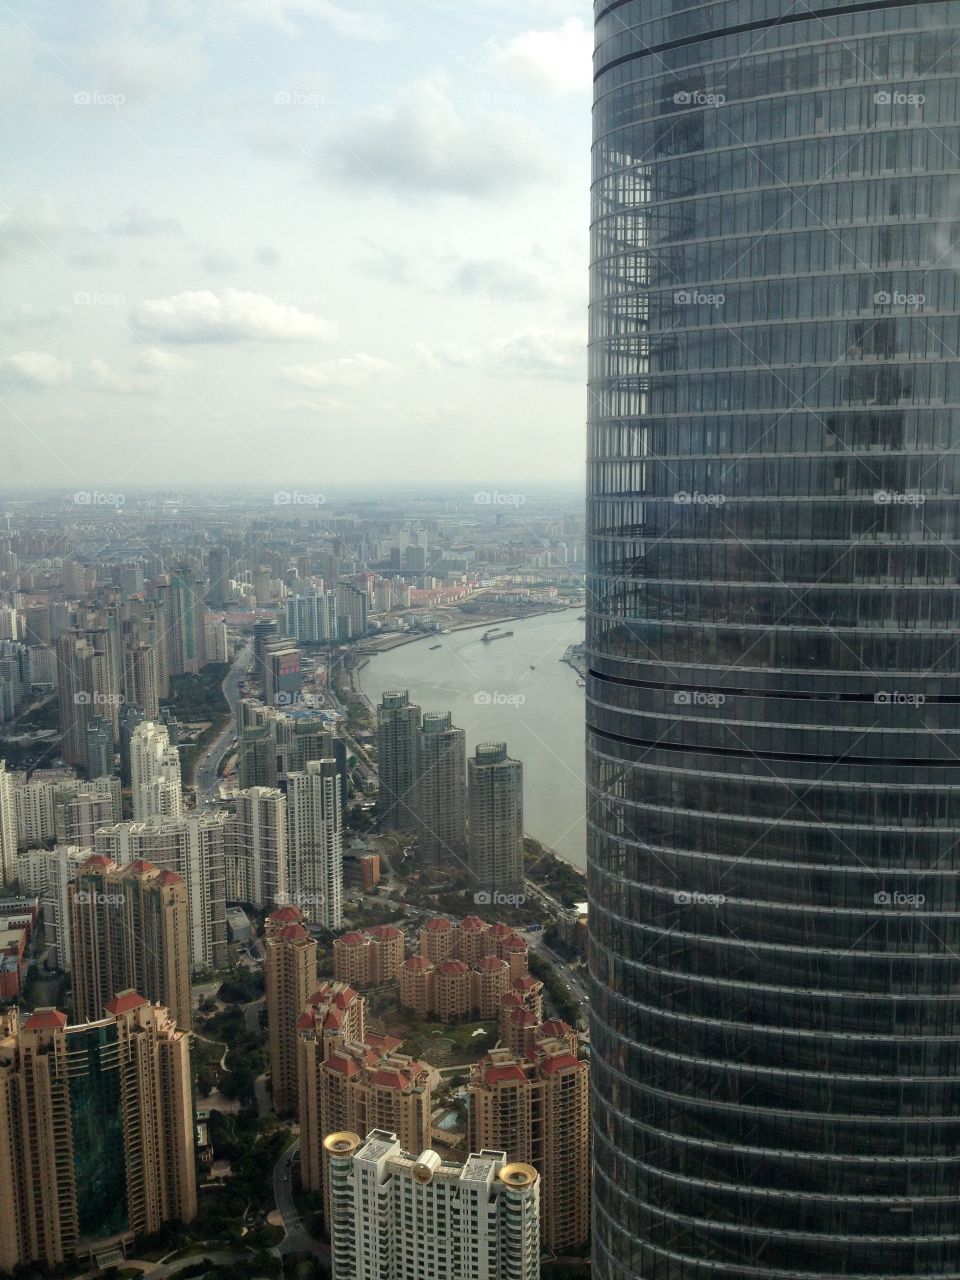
[773, 641]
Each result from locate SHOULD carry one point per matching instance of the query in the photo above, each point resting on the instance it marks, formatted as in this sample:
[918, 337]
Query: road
[296, 1239]
[209, 763]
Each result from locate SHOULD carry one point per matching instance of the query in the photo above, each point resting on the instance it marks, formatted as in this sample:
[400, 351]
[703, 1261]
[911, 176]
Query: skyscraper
[441, 787]
[479, 1219]
[315, 842]
[290, 970]
[773, 780]
[398, 721]
[257, 848]
[8, 827]
[495, 791]
[154, 773]
[128, 927]
[100, 761]
[96, 1131]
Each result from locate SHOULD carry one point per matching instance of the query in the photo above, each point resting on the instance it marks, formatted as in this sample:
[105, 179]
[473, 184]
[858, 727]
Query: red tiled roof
[512, 1000]
[342, 1064]
[391, 1078]
[286, 913]
[385, 931]
[451, 967]
[490, 964]
[501, 930]
[125, 1001]
[353, 939]
[97, 860]
[516, 942]
[472, 924]
[556, 1027]
[440, 924]
[497, 1075]
[169, 877]
[382, 1044]
[560, 1062]
[343, 997]
[46, 1020]
[526, 983]
[523, 1018]
[416, 964]
[141, 866]
[293, 933]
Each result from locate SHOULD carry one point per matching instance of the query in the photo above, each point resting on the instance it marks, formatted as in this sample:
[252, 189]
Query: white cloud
[218, 262]
[420, 144]
[155, 360]
[233, 316]
[559, 60]
[535, 353]
[30, 225]
[24, 316]
[100, 377]
[348, 371]
[37, 370]
[343, 19]
[137, 67]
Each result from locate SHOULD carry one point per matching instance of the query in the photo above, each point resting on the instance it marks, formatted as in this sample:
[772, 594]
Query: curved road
[209, 763]
[296, 1240]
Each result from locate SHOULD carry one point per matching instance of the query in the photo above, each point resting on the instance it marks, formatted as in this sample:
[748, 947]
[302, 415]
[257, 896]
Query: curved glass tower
[774, 641]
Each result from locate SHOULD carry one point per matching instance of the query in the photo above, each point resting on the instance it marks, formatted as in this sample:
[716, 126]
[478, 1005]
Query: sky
[259, 241]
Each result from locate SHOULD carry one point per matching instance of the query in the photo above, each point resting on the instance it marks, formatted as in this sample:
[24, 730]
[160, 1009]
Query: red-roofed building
[438, 939]
[371, 958]
[290, 969]
[535, 1107]
[471, 943]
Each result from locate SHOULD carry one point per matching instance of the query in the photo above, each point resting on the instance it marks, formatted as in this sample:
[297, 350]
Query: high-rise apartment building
[536, 1107]
[257, 755]
[315, 841]
[96, 1132]
[495, 796]
[155, 786]
[8, 827]
[440, 794]
[257, 864]
[773, 778]
[370, 957]
[182, 595]
[100, 754]
[194, 847]
[129, 927]
[85, 690]
[48, 873]
[290, 969]
[312, 617]
[398, 724]
[141, 679]
[396, 1216]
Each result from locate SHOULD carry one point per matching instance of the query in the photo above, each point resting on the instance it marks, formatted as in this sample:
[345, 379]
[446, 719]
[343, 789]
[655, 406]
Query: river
[515, 691]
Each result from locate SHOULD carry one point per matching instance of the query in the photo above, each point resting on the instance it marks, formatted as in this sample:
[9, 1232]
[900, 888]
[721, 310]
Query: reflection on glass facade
[774, 640]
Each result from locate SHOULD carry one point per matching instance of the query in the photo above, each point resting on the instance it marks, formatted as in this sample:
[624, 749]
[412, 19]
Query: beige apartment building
[290, 970]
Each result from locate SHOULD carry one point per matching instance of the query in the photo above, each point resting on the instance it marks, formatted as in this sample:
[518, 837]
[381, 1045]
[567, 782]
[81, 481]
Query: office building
[155, 786]
[369, 957]
[257, 848]
[315, 842]
[396, 1216]
[181, 593]
[194, 847]
[257, 755]
[398, 724]
[290, 969]
[101, 757]
[96, 1132]
[536, 1107]
[129, 927]
[8, 827]
[495, 791]
[283, 672]
[312, 618]
[773, 783]
[440, 794]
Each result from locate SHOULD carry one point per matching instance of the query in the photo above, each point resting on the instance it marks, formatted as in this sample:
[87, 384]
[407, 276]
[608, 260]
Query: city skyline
[293, 217]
